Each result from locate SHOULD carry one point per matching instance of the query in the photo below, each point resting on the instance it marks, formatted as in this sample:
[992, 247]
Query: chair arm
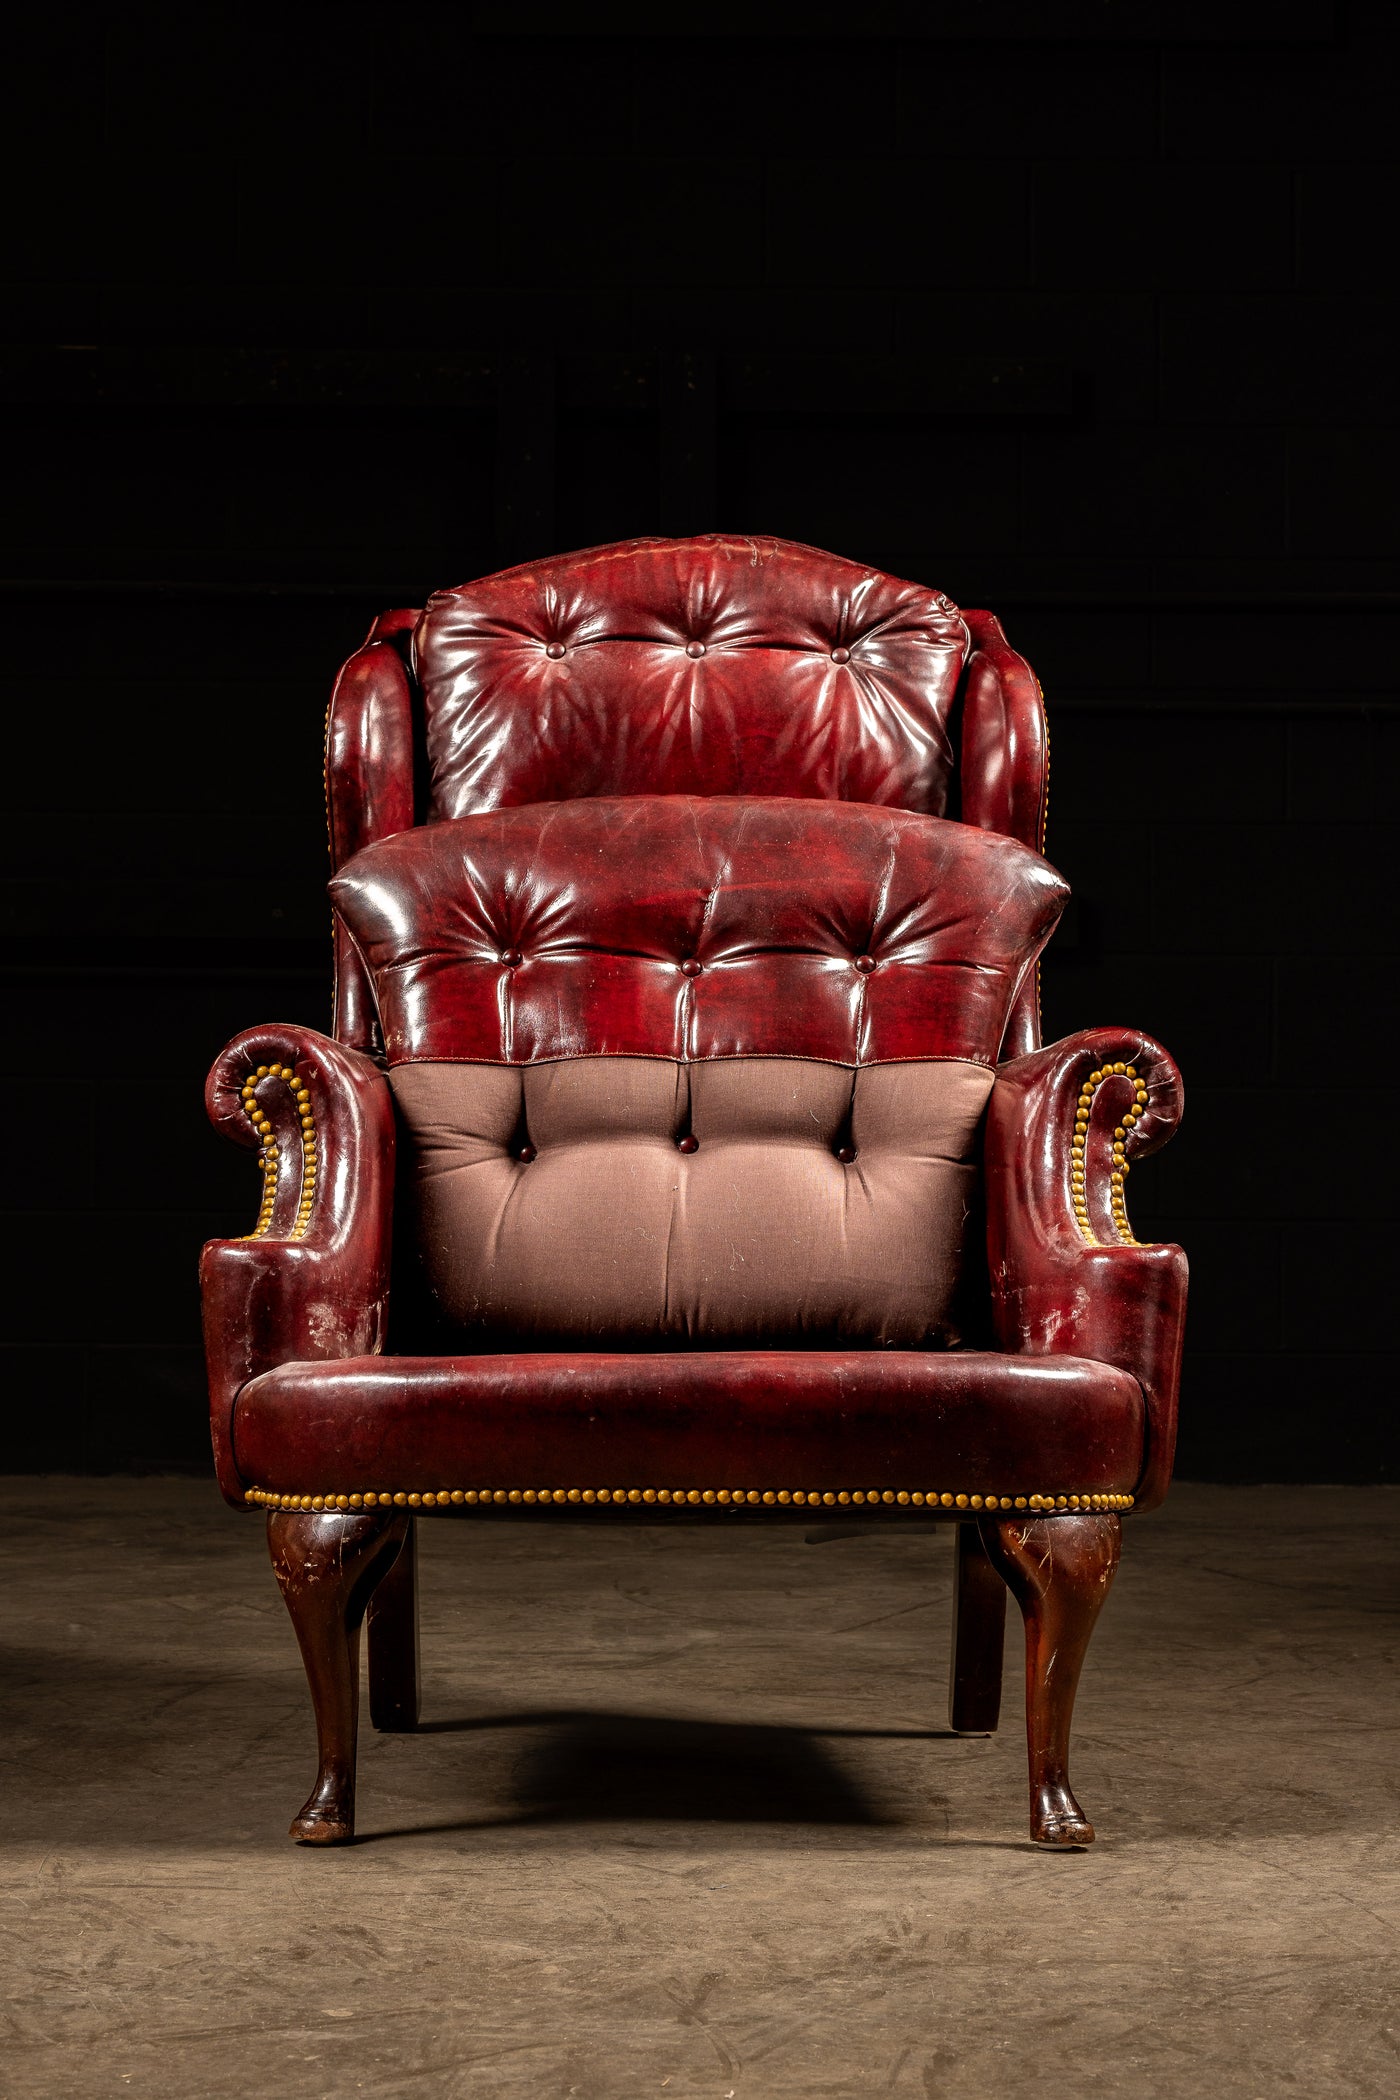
[1068, 1275]
[312, 1279]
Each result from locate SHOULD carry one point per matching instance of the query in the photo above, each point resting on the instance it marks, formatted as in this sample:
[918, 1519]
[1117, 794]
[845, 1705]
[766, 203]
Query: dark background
[1083, 312]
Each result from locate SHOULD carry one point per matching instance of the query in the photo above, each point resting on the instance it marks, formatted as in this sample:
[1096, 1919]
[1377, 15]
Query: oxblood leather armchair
[688, 899]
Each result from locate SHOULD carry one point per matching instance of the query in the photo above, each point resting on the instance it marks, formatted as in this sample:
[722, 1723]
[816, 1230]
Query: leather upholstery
[712, 666]
[766, 1419]
[685, 927]
[1052, 1291]
[604, 1201]
[707, 666]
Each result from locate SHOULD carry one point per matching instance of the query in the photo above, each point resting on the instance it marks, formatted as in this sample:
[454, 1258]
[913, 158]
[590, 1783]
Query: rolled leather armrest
[311, 1280]
[1069, 1277]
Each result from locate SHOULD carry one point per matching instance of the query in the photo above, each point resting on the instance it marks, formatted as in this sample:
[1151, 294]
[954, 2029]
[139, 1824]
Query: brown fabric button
[695, 648]
[525, 1155]
[840, 656]
[846, 1155]
[512, 958]
[690, 967]
[865, 964]
[555, 649]
[689, 1145]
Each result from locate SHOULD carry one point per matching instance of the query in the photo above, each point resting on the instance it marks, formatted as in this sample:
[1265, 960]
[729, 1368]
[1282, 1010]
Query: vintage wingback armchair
[688, 898]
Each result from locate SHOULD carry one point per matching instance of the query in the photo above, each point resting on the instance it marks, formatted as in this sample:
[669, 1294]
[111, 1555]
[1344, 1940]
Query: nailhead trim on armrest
[270, 1154]
[1119, 1174]
[723, 1498]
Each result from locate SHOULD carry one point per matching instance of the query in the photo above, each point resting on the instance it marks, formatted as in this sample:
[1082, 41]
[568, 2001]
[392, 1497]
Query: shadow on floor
[604, 1767]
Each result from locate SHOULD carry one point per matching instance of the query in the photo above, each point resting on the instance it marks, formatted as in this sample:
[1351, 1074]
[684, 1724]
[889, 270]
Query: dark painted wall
[311, 313]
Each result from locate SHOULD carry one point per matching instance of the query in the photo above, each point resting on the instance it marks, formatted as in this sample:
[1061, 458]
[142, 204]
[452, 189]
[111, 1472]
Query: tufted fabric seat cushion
[696, 1069]
[712, 666]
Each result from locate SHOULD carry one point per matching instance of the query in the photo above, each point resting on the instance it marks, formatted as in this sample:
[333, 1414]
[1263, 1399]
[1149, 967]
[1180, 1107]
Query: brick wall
[312, 314]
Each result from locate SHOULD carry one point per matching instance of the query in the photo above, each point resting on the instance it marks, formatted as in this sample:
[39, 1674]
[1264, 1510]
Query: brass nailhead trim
[1119, 1174]
[726, 1498]
[270, 1154]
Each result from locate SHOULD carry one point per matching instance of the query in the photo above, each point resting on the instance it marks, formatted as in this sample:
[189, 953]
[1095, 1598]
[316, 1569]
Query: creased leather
[719, 665]
[692, 927]
[1053, 1293]
[810, 1419]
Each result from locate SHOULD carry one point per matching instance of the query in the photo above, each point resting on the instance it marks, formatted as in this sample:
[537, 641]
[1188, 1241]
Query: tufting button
[695, 648]
[555, 649]
[511, 958]
[846, 1155]
[690, 967]
[688, 1145]
[865, 964]
[840, 656]
[525, 1155]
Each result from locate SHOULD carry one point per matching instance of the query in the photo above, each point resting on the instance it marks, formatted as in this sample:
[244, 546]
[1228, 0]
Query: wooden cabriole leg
[1059, 1570]
[393, 1642]
[327, 1566]
[979, 1636]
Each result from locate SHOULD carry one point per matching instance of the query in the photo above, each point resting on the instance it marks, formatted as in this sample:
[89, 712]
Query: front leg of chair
[328, 1566]
[1059, 1570]
[393, 1643]
[979, 1636]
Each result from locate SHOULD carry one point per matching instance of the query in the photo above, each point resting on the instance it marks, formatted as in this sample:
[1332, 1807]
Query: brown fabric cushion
[612, 1233]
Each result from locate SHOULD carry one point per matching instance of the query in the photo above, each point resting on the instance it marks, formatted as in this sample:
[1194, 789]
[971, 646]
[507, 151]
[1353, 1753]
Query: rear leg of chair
[979, 1636]
[1059, 1570]
[393, 1642]
[327, 1566]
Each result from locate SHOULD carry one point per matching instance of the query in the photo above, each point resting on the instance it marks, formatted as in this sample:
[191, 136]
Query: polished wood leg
[327, 1566]
[393, 1642]
[1059, 1570]
[979, 1636]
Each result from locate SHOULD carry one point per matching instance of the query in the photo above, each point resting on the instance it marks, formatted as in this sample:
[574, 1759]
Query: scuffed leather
[810, 1419]
[1003, 771]
[714, 666]
[369, 788]
[276, 1299]
[691, 927]
[1052, 1293]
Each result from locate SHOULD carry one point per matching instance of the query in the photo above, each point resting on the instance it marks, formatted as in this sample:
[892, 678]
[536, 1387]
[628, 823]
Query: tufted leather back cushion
[697, 927]
[710, 666]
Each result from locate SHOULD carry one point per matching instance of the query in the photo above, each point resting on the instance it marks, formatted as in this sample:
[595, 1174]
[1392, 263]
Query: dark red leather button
[688, 1145]
[840, 656]
[525, 1155]
[512, 958]
[846, 1155]
[865, 964]
[695, 648]
[690, 967]
[555, 649]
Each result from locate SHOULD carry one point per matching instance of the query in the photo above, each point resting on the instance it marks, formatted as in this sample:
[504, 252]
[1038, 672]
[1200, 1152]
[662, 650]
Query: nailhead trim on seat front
[724, 1498]
[1119, 1173]
[270, 1154]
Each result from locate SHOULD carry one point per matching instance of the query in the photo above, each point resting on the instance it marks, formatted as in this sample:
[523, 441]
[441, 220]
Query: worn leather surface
[1003, 771]
[596, 1202]
[280, 1297]
[900, 1419]
[714, 666]
[691, 927]
[1052, 1292]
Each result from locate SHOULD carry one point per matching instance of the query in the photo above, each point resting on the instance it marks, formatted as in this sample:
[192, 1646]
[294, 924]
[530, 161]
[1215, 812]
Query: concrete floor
[682, 1823]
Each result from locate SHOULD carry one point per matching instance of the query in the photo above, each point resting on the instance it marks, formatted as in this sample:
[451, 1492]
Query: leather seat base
[751, 1422]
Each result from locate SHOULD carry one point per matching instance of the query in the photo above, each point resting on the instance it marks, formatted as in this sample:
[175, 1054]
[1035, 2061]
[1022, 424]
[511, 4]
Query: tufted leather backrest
[697, 927]
[711, 666]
